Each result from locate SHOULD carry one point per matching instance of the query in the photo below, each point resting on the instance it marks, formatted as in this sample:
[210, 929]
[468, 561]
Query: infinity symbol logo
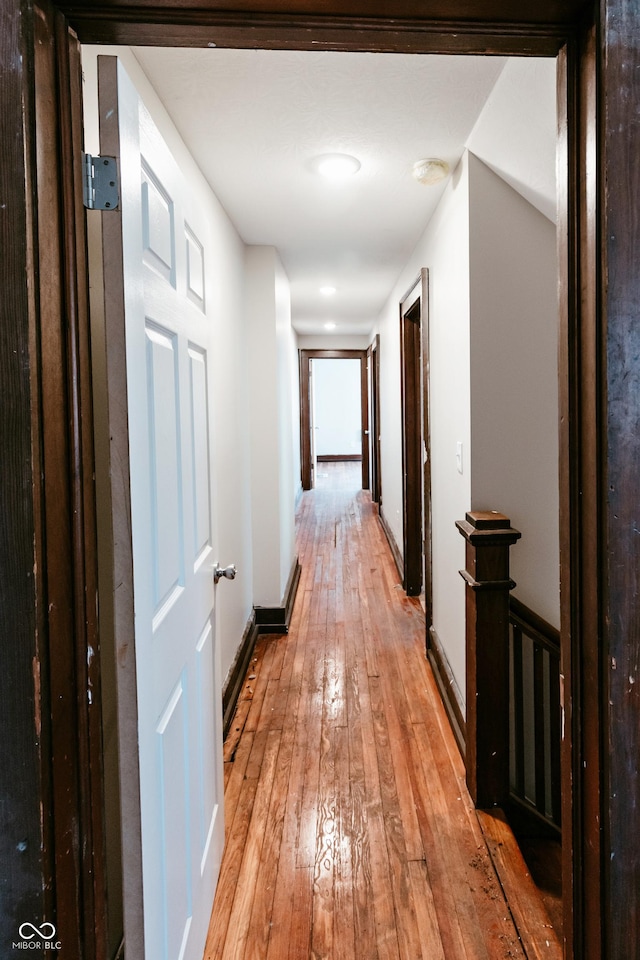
[37, 931]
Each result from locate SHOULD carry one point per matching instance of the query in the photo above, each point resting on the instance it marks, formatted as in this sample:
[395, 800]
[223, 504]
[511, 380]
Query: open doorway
[336, 412]
[329, 379]
[413, 315]
[373, 356]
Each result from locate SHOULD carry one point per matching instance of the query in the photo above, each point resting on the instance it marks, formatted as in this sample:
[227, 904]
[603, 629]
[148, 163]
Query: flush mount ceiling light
[430, 170]
[330, 326]
[327, 291]
[336, 166]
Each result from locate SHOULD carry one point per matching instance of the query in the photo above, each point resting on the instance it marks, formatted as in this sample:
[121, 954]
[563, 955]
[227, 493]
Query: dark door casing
[305, 357]
[599, 235]
[412, 480]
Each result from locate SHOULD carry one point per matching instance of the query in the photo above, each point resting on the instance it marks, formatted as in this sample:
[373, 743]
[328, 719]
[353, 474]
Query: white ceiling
[255, 121]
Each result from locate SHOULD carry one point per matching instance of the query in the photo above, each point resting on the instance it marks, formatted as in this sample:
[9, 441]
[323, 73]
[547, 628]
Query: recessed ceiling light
[430, 170]
[337, 166]
[329, 326]
[327, 291]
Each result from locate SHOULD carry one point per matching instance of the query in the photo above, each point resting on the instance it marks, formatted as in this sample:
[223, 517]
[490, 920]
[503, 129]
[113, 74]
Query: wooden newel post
[488, 537]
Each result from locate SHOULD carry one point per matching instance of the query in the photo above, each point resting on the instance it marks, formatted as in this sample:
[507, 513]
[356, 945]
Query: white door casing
[168, 335]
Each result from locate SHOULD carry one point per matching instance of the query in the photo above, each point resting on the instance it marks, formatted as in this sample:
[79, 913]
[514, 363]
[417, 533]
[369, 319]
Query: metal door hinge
[100, 183]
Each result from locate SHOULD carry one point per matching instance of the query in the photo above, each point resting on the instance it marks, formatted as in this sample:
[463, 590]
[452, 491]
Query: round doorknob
[229, 573]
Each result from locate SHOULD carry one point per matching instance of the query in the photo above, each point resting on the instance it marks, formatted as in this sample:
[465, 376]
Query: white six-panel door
[168, 356]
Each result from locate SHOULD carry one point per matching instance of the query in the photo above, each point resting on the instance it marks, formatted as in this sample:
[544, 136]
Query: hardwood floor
[349, 831]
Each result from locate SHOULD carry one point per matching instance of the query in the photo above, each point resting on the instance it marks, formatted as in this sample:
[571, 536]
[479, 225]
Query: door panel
[172, 733]
[163, 405]
[168, 338]
[206, 769]
[157, 226]
[199, 417]
[195, 268]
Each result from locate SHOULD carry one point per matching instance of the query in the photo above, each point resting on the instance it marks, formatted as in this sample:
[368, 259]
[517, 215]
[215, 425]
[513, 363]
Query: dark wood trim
[89, 732]
[393, 544]
[448, 687]
[617, 240]
[364, 418]
[277, 619]
[425, 466]
[235, 677]
[304, 356]
[488, 537]
[527, 822]
[262, 620]
[326, 354]
[546, 631]
[25, 840]
[582, 499]
[485, 27]
[305, 423]
[373, 354]
[271, 619]
[544, 642]
[597, 278]
[568, 370]
[291, 591]
[471, 16]
[412, 460]
[68, 489]
[339, 457]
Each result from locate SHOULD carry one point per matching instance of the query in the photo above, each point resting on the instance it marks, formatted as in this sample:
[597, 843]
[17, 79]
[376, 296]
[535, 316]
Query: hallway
[349, 831]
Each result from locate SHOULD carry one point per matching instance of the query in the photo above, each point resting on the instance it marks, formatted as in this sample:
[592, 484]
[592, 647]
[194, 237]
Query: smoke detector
[430, 170]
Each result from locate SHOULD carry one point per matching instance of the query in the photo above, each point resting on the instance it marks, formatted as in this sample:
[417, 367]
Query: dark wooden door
[412, 455]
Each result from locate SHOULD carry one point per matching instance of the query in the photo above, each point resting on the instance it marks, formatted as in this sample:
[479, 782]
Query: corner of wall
[514, 379]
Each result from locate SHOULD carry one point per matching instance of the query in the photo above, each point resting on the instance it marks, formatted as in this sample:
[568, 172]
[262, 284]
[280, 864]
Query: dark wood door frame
[416, 442]
[373, 357]
[599, 235]
[50, 720]
[305, 357]
[411, 405]
[426, 457]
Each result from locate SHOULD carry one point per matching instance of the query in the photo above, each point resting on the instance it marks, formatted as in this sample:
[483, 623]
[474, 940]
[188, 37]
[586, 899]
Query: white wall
[270, 347]
[515, 134]
[288, 423]
[318, 341]
[491, 258]
[338, 415]
[514, 380]
[444, 249]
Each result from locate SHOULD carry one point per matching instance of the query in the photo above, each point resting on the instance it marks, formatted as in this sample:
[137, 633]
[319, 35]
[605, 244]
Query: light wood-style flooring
[349, 831]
